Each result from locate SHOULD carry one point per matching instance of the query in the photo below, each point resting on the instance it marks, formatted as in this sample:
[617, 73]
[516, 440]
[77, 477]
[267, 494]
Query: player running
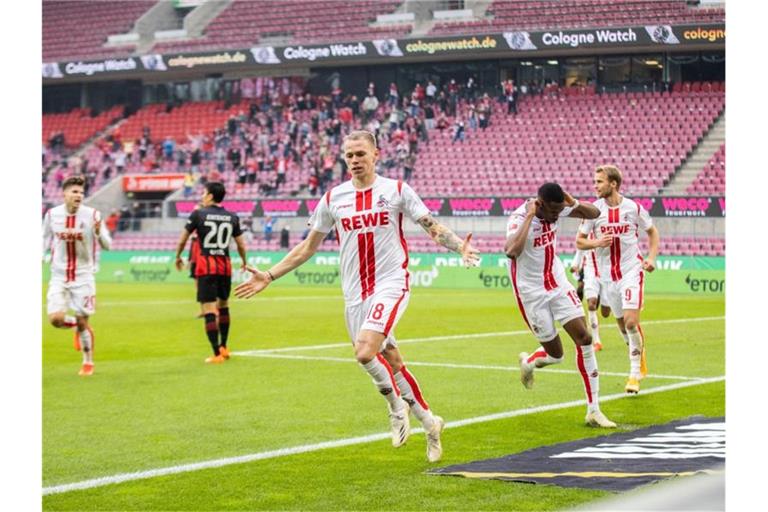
[71, 231]
[616, 233]
[215, 227]
[367, 212]
[544, 294]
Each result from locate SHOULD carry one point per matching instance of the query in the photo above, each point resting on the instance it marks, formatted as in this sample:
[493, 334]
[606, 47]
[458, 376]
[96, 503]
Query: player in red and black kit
[194, 253]
[215, 228]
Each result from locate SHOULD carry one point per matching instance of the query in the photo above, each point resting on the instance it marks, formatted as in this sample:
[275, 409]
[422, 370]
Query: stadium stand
[548, 15]
[670, 246]
[711, 179]
[78, 125]
[558, 135]
[648, 135]
[241, 25]
[78, 29]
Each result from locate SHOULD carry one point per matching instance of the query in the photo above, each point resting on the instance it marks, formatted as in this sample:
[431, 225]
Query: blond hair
[361, 135]
[612, 173]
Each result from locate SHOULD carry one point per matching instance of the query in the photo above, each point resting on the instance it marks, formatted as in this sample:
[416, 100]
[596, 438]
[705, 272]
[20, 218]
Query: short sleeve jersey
[215, 228]
[537, 269]
[72, 242]
[624, 222]
[369, 226]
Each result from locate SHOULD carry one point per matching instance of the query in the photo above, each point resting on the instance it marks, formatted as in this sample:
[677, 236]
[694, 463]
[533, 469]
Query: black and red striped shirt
[215, 228]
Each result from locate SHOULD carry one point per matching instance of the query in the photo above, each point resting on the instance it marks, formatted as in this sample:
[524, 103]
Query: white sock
[626, 337]
[69, 321]
[381, 373]
[594, 325]
[86, 344]
[540, 359]
[411, 393]
[635, 352]
[587, 364]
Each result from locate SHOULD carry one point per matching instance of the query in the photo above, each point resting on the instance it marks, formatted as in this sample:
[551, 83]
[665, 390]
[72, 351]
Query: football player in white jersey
[367, 213]
[544, 294]
[71, 231]
[616, 232]
[586, 261]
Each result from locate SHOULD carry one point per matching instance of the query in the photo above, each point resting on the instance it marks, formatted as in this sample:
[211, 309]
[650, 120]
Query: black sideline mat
[616, 462]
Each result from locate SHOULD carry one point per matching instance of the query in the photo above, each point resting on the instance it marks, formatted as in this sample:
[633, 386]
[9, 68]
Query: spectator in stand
[313, 184]
[370, 104]
[235, 156]
[430, 92]
[458, 129]
[429, 116]
[393, 97]
[285, 237]
[189, 183]
[472, 116]
[242, 177]
[413, 141]
[410, 162]
[470, 89]
[168, 148]
[125, 219]
[442, 122]
[136, 214]
[512, 102]
[119, 158]
[112, 221]
[269, 226]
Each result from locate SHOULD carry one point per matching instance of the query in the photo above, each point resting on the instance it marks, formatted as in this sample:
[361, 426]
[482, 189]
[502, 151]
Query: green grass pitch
[152, 403]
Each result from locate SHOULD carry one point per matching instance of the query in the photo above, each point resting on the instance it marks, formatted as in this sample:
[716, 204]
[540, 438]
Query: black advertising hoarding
[501, 45]
[657, 206]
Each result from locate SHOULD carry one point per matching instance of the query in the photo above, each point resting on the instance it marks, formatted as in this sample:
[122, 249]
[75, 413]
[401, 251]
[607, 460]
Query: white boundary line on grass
[283, 452]
[453, 337]
[452, 365]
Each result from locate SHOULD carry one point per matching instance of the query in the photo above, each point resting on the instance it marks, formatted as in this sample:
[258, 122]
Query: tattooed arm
[448, 239]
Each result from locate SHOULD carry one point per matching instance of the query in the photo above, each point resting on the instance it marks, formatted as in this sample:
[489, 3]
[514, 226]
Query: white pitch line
[455, 365]
[453, 337]
[271, 299]
[283, 452]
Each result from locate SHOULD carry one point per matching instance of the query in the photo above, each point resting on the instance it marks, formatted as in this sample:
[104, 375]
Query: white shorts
[627, 293]
[541, 310]
[380, 313]
[592, 286]
[78, 295]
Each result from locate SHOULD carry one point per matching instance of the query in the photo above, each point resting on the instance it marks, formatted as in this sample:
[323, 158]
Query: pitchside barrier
[674, 275]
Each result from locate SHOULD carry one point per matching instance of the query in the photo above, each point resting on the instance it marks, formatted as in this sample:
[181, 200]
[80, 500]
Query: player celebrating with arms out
[544, 294]
[367, 212]
[71, 230]
[215, 228]
[615, 242]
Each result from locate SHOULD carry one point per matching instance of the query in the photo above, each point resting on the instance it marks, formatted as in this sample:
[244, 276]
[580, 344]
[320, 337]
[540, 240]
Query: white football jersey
[624, 222]
[369, 227]
[587, 260]
[537, 269]
[72, 242]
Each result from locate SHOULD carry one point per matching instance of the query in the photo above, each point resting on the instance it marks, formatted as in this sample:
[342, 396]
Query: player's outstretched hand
[258, 281]
[649, 265]
[469, 254]
[604, 241]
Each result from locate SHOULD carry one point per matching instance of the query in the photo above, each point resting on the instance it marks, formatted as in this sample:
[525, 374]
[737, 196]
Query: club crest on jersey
[382, 202]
